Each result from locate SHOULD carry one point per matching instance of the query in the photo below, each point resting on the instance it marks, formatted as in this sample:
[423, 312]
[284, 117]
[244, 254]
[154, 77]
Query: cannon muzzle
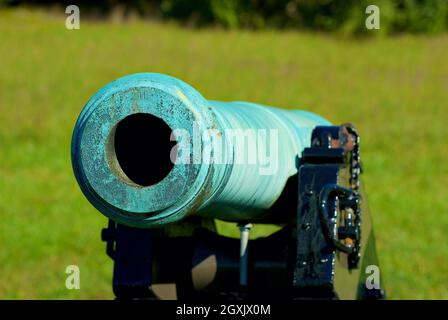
[148, 149]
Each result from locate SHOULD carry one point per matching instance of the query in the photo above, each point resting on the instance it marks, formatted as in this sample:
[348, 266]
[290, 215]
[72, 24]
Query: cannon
[164, 164]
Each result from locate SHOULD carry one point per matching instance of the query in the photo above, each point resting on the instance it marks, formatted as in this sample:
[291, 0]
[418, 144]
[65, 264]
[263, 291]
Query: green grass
[394, 89]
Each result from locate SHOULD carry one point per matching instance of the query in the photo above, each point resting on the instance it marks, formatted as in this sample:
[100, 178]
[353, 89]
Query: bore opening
[142, 147]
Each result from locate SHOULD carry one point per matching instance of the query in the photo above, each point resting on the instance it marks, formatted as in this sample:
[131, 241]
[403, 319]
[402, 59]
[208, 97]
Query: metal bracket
[326, 211]
[132, 252]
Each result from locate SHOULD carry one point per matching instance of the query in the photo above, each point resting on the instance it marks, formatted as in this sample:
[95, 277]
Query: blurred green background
[393, 88]
[345, 16]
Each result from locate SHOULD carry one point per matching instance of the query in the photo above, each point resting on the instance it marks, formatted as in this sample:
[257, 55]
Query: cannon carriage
[163, 163]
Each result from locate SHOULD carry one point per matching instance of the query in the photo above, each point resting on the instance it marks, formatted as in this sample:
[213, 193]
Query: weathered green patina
[228, 190]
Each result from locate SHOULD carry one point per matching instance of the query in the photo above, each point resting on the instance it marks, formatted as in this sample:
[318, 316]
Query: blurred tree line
[348, 16]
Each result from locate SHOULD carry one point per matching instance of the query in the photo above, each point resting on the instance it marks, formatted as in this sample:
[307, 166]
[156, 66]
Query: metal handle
[333, 190]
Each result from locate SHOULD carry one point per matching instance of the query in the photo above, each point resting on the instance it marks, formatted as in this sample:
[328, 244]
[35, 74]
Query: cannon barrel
[148, 149]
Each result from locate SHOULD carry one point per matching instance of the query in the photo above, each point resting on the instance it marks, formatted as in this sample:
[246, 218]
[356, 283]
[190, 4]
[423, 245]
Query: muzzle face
[123, 145]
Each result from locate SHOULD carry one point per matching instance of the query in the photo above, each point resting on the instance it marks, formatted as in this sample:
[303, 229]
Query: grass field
[394, 89]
